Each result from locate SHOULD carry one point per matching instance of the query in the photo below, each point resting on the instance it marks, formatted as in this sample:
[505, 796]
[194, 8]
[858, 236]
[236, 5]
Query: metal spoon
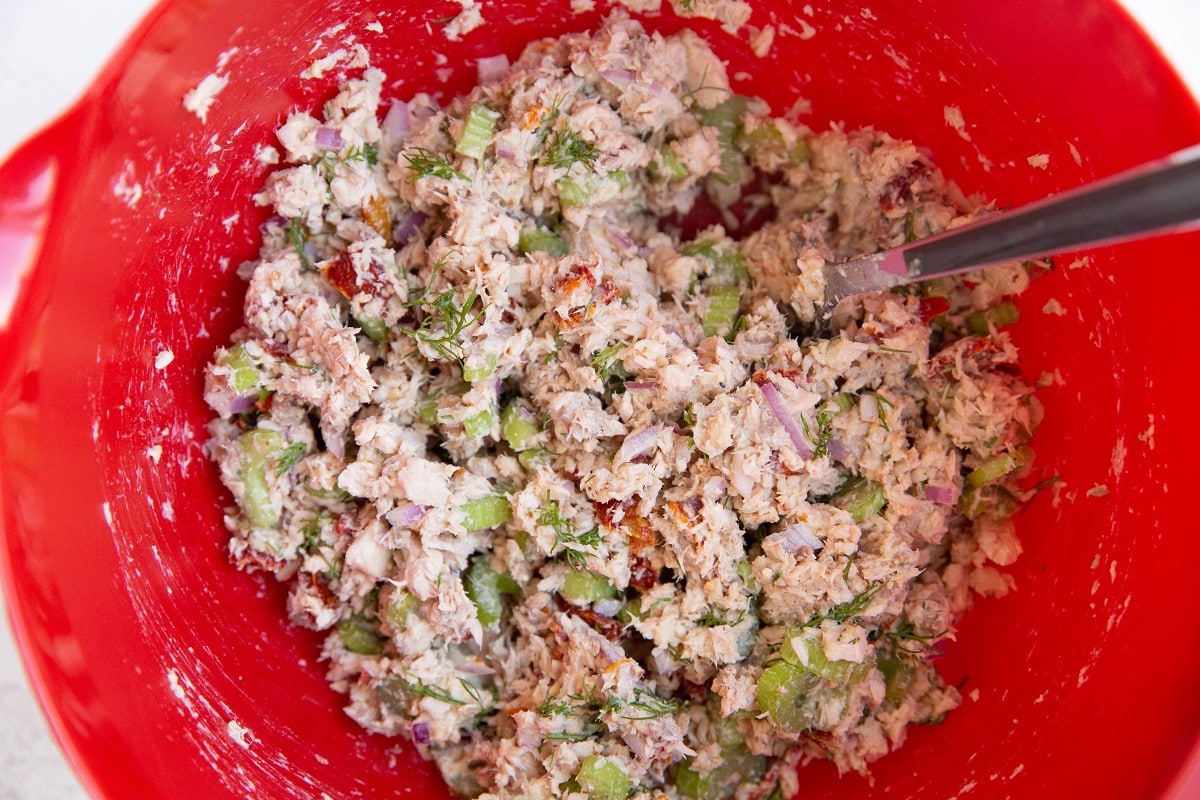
[1158, 197]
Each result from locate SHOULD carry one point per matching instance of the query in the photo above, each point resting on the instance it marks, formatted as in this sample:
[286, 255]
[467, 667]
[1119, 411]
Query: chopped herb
[288, 458]
[424, 163]
[298, 234]
[445, 320]
[567, 149]
[848, 610]
[651, 706]
[607, 364]
[415, 687]
[565, 535]
[553, 707]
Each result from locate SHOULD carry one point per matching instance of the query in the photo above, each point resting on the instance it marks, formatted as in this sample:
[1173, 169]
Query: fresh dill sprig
[713, 618]
[606, 362]
[445, 320]
[288, 458]
[554, 707]
[298, 235]
[849, 609]
[415, 687]
[650, 706]
[906, 632]
[424, 163]
[567, 149]
[565, 535]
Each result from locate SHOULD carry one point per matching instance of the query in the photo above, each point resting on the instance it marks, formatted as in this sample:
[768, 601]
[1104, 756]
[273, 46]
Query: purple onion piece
[793, 537]
[641, 385]
[398, 122]
[618, 77]
[328, 138]
[941, 494]
[771, 395]
[408, 226]
[406, 515]
[240, 405]
[420, 732]
[638, 443]
[620, 237]
[837, 450]
[492, 68]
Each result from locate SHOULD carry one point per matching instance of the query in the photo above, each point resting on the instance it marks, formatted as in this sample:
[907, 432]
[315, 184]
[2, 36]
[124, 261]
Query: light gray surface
[49, 52]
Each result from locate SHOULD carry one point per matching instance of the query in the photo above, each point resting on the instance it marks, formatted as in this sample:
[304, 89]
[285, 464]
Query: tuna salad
[530, 412]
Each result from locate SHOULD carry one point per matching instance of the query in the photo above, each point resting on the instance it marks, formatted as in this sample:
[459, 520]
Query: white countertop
[42, 81]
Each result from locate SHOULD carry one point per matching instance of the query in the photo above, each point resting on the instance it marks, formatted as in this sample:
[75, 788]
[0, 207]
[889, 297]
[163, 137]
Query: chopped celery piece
[668, 167]
[630, 611]
[486, 588]
[602, 779]
[782, 692]
[518, 426]
[572, 192]
[861, 498]
[814, 660]
[481, 513]
[540, 240]
[1005, 313]
[399, 608]
[620, 177]
[428, 412]
[842, 401]
[585, 586]
[897, 675]
[479, 424]
[737, 768]
[259, 445]
[245, 374]
[475, 370]
[994, 469]
[726, 118]
[723, 303]
[727, 263]
[476, 131]
[746, 572]
[360, 636]
[374, 327]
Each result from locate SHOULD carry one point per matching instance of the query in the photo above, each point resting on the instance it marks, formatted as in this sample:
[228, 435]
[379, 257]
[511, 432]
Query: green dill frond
[297, 233]
[567, 149]
[650, 706]
[290, 455]
[424, 163]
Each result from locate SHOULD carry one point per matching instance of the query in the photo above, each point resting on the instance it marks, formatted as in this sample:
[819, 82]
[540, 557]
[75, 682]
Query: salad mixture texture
[586, 505]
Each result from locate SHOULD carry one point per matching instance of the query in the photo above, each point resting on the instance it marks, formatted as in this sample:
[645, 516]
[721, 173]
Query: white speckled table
[49, 52]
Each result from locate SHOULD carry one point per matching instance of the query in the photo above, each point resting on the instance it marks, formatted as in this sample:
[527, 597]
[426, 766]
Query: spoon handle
[1156, 197]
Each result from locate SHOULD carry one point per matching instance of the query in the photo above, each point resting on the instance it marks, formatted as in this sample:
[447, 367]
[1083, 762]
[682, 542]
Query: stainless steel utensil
[1162, 196]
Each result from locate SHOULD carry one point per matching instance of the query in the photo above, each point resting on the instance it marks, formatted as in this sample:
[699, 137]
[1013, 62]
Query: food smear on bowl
[530, 412]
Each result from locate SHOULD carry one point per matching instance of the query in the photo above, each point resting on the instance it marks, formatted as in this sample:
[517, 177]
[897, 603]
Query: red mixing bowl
[166, 673]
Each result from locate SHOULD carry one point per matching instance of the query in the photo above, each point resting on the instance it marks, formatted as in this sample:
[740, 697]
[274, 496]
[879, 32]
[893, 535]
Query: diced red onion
[240, 404]
[336, 444]
[641, 385]
[793, 537]
[408, 226]
[714, 488]
[618, 77]
[329, 138]
[476, 666]
[837, 449]
[638, 443]
[527, 736]
[420, 731]
[941, 494]
[398, 122]
[771, 395]
[620, 237]
[406, 515]
[504, 151]
[492, 68]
